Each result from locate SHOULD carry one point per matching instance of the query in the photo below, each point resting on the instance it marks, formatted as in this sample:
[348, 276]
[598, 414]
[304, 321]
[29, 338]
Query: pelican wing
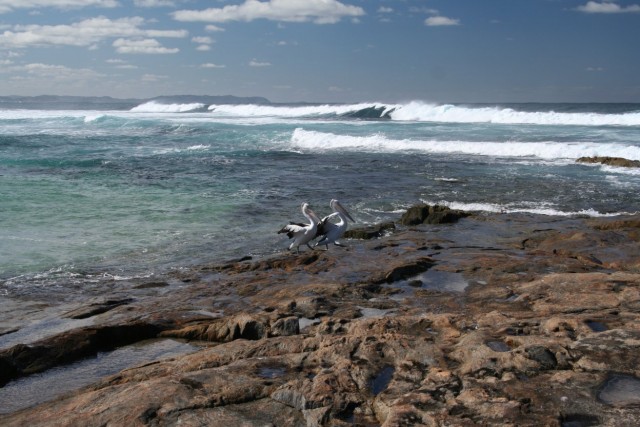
[292, 228]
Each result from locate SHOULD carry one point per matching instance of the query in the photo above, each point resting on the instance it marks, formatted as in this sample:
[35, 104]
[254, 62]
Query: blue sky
[325, 50]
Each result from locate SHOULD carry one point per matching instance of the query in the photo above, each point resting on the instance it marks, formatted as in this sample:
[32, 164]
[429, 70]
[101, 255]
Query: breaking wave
[513, 208]
[155, 107]
[321, 141]
[424, 112]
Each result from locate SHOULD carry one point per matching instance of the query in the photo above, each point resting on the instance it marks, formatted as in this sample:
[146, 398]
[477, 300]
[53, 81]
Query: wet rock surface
[610, 161]
[546, 331]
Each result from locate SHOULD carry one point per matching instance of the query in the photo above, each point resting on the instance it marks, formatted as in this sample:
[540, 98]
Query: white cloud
[255, 63]
[57, 72]
[426, 10]
[607, 7]
[203, 48]
[213, 28]
[144, 46]
[202, 40]
[595, 69]
[9, 5]
[440, 21]
[153, 77]
[210, 65]
[153, 3]
[318, 11]
[383, 9]
[121, 64]
[83, 33]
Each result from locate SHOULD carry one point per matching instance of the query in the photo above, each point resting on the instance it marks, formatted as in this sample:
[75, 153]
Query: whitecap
[155, 107]
[547, 150]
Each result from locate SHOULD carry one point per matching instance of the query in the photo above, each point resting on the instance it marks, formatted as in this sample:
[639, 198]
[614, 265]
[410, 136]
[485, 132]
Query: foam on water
[155, 107]
[523, 207]
[322, 141]
[419, 111]
[426, 112]
[287, 111]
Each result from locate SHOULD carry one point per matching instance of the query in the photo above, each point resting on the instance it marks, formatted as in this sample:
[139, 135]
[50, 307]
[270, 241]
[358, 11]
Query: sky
[324, 50]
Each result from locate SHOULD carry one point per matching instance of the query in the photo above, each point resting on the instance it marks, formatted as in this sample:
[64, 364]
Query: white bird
[330, 231]
[302, 233]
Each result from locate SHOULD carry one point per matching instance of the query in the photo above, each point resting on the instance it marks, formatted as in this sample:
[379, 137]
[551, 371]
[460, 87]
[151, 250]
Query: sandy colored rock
[546, 332]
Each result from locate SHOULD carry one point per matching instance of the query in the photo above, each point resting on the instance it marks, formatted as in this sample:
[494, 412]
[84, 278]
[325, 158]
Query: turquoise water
[88, 194]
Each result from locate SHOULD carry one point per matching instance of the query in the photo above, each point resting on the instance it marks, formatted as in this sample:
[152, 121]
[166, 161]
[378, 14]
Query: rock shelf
[546, 331]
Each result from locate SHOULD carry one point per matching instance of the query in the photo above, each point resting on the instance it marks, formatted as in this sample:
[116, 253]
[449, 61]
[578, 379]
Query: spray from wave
[155, 107]
[424, 112]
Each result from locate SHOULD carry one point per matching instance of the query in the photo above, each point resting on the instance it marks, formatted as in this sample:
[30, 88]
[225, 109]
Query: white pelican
[302, 233]
[329, 231]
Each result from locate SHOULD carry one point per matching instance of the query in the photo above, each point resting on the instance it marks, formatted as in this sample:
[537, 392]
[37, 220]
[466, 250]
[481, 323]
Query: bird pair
[303, 234]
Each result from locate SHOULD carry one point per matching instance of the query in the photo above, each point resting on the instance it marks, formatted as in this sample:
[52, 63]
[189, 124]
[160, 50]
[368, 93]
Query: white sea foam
[549, 210]
[287, 111]
[420, 111]
[321, 141]
[155, 107]
[198, 147]
[426, 112]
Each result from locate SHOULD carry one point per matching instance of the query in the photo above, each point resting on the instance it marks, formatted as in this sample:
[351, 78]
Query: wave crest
[155, 107]
[418, 111]
[321, 141]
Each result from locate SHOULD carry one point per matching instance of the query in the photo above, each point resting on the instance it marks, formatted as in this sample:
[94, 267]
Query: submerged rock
[431, 214]
[370, 232]
[610, 161]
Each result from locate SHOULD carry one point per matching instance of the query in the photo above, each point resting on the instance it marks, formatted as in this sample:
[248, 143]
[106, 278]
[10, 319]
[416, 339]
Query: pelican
[329, 231]
[302, 233]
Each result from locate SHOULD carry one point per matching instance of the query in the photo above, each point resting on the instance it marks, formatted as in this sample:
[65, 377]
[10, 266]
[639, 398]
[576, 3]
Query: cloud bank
[317, 11]
[608, 7]
[83, 34]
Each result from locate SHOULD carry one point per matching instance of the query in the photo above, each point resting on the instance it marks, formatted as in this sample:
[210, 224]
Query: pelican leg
[310, 247]
[339, 244]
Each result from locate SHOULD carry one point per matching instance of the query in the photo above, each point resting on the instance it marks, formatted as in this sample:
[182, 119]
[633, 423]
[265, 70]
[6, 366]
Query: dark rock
[285, 327]
[406, 271]
[70, 346]
[543, 356]
[370, 232]
[223, 330]
[428, 214]
[610, 161]
[97, 308]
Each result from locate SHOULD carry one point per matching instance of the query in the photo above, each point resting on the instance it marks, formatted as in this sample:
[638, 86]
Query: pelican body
[302, 234]
[330, 231]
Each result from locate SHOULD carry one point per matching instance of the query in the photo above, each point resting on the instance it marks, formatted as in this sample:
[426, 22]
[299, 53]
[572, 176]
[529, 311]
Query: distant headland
[44, 102]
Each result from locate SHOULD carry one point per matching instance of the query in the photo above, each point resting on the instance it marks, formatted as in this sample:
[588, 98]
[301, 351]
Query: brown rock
[611, 161]
[427, 214]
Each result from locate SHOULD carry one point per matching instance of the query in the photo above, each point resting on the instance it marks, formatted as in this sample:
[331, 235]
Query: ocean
[92, 195]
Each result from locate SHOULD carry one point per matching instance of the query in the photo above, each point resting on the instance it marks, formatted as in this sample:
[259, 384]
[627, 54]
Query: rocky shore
[443, 318]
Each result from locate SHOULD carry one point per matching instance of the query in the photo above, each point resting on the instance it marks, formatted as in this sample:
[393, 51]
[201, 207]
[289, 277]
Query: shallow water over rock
[434, 280]
[382, 380]
[369, 312]
[41, 329]
[620, 390]
[596, 326]
[498, 346]
[38, 388]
